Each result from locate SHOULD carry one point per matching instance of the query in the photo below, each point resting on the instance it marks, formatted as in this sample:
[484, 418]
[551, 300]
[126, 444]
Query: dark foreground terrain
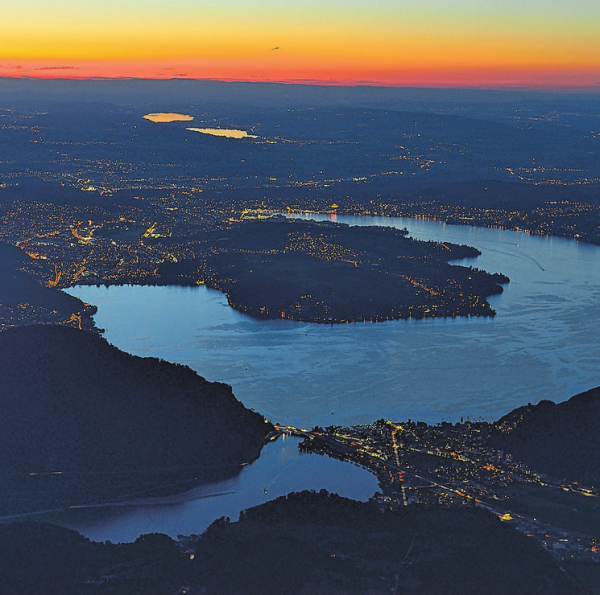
[85, 422]
[451, 542]
[302, 543]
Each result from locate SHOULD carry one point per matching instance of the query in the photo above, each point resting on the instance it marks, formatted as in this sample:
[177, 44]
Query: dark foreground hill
[82, 421]
[557, 439]
[322, 543]
[302, 543]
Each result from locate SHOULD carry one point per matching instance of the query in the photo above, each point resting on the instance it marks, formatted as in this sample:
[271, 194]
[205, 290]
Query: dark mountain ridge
[557, 439]
[83, 421]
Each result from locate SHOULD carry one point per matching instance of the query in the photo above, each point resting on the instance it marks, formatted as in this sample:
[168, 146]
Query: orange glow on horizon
[379, 42]
[499, 76]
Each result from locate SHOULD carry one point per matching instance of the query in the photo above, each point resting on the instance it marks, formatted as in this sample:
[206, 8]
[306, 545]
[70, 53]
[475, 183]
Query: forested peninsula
[327, 272]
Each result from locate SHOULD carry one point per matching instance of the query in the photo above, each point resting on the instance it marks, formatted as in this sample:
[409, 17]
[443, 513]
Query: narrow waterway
[281, 469]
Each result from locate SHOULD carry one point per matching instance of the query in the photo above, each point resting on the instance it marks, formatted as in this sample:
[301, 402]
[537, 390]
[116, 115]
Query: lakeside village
[454, 465]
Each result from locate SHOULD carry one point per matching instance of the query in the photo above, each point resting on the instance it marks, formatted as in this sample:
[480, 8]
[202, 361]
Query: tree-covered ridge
[328, 272]
[305, 542]
[321, 543]
[82, 421]
[44, 558]
[556, 439]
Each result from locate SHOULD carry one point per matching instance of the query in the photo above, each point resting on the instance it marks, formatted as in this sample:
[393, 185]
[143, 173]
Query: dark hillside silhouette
[557, 439]
[112, 424]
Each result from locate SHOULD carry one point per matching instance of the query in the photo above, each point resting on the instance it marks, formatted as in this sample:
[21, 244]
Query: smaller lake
[226, 132]
[164, 117]
[281, 469]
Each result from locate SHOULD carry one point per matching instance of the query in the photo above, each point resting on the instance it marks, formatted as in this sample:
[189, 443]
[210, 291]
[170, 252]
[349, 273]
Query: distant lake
[168, 117]
[165, 117]
[543, 343]
[226, 132]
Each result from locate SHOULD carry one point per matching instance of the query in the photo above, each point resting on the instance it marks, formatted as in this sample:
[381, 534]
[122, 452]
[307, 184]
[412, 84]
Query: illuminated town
[457, 465]
[255, 202]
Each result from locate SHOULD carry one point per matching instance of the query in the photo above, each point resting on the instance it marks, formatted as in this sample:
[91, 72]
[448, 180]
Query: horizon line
[515, 87]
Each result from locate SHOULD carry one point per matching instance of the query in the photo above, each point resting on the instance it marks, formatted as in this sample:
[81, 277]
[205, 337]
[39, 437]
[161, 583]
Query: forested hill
[327, 272]
[328, 544]
[111, 423]
[300, 543]
[557, 439]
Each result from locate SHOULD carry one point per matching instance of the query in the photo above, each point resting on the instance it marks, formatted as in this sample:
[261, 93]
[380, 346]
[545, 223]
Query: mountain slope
[113, 424]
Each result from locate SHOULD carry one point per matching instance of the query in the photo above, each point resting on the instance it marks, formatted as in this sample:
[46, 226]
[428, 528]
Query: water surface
[226, 132]
[543, 343]
[280, 470]
[168, 117]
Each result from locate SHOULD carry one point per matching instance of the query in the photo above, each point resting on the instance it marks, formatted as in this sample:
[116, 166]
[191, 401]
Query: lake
[543, 344]
[168, 117]
[281, 469]
[225, 132]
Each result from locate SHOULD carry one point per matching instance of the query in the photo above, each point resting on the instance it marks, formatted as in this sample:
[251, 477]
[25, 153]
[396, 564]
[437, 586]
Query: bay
[281, 469]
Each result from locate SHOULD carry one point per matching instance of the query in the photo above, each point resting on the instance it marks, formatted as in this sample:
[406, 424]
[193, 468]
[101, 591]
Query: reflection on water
[168, 117]
[229, 133]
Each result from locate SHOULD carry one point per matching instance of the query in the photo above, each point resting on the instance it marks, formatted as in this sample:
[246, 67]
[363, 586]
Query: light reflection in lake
[226, 132]
[168, 117]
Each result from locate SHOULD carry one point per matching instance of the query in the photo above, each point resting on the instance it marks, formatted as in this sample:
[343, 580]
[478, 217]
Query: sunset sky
[384, 42]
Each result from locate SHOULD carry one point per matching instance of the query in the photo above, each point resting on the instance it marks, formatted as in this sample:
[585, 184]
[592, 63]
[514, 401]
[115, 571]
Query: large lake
[543, 344]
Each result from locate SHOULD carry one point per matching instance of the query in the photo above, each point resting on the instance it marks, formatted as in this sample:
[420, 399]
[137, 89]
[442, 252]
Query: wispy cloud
[56, 68]
[173, 74]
